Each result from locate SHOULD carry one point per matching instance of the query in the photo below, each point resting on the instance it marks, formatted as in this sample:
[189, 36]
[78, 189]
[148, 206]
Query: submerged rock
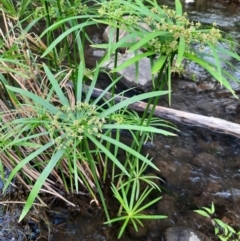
[207, 162]
[174, 172]
[183, 234]
[236, 195]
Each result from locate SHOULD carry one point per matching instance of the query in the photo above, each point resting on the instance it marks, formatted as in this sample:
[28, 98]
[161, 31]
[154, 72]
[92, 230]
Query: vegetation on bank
[53, 133]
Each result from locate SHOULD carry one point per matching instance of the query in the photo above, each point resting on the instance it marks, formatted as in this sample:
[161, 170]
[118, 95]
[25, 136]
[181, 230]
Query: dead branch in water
[212, 123]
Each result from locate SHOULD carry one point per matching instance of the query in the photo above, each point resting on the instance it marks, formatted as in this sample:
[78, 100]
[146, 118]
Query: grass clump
[54, 134]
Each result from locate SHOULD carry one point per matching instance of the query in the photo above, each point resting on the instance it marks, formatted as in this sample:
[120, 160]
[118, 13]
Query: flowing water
[198, 166]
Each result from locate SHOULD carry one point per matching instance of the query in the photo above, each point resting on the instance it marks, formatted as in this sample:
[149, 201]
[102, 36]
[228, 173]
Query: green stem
[96, 181]
[50, 37]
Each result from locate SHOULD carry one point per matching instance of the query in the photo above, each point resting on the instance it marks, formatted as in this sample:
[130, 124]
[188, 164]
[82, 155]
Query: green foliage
[222, 230]
[52, 128]
[17, 10]
[173, 34]
[133, 208]
[70, 126]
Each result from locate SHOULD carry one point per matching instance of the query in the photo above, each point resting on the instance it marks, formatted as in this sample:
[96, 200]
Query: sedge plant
[167, 42]
[64, 132]
[55, 130]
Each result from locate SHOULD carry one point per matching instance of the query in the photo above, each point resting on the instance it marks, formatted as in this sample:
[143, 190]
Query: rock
[193, 71]
[213, 185]
[199, 87]
[213, 147]
[142, 82]
[204, 80]
[183, 234]
[207, 162]
[236, 195]
[174, 172]
[231, 109]
[181, 153]
[167, 206]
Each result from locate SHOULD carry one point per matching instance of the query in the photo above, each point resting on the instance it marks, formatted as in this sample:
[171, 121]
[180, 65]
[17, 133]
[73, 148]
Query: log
[211, 123]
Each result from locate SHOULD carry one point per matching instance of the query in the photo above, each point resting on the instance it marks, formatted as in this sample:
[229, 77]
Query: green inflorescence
[82, 119]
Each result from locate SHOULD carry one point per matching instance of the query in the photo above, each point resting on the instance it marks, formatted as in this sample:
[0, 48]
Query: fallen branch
[212, 123]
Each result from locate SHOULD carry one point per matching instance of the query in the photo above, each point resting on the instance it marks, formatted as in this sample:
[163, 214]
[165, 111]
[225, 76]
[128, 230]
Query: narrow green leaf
[119, 197]
[25, 161]
[124, 42]
[206, 65]
[81, 69]
[181, 50]
[222, 238]
[40, 181]
[216, 230]
[150, 216]
[203, 213]
[115, 220]
[220, 223]
[108, 153]
[132, 196]
[231, 229]
[140, 44]
[149, 204]
[125, 103]
[57, 24]
[93, 83]
[159, 64]
[29, 144]
[56, 86]
[64, 35]
[212, 208]
[132, 61]
[178, 7]
[35, 98]
[228, 52]
[123, 228]
[137, 128]
[217, 62]
[129, 150]
[169, 76]
[32, 24]
[207, 209]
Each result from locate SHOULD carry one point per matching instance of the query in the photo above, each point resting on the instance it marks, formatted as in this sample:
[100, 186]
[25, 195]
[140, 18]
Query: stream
[197, 167]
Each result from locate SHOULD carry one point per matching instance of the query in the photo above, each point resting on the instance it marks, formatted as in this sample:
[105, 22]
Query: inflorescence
[74, 123]
[164, 20]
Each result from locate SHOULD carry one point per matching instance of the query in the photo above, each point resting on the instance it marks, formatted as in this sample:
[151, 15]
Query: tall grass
[53, 133]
